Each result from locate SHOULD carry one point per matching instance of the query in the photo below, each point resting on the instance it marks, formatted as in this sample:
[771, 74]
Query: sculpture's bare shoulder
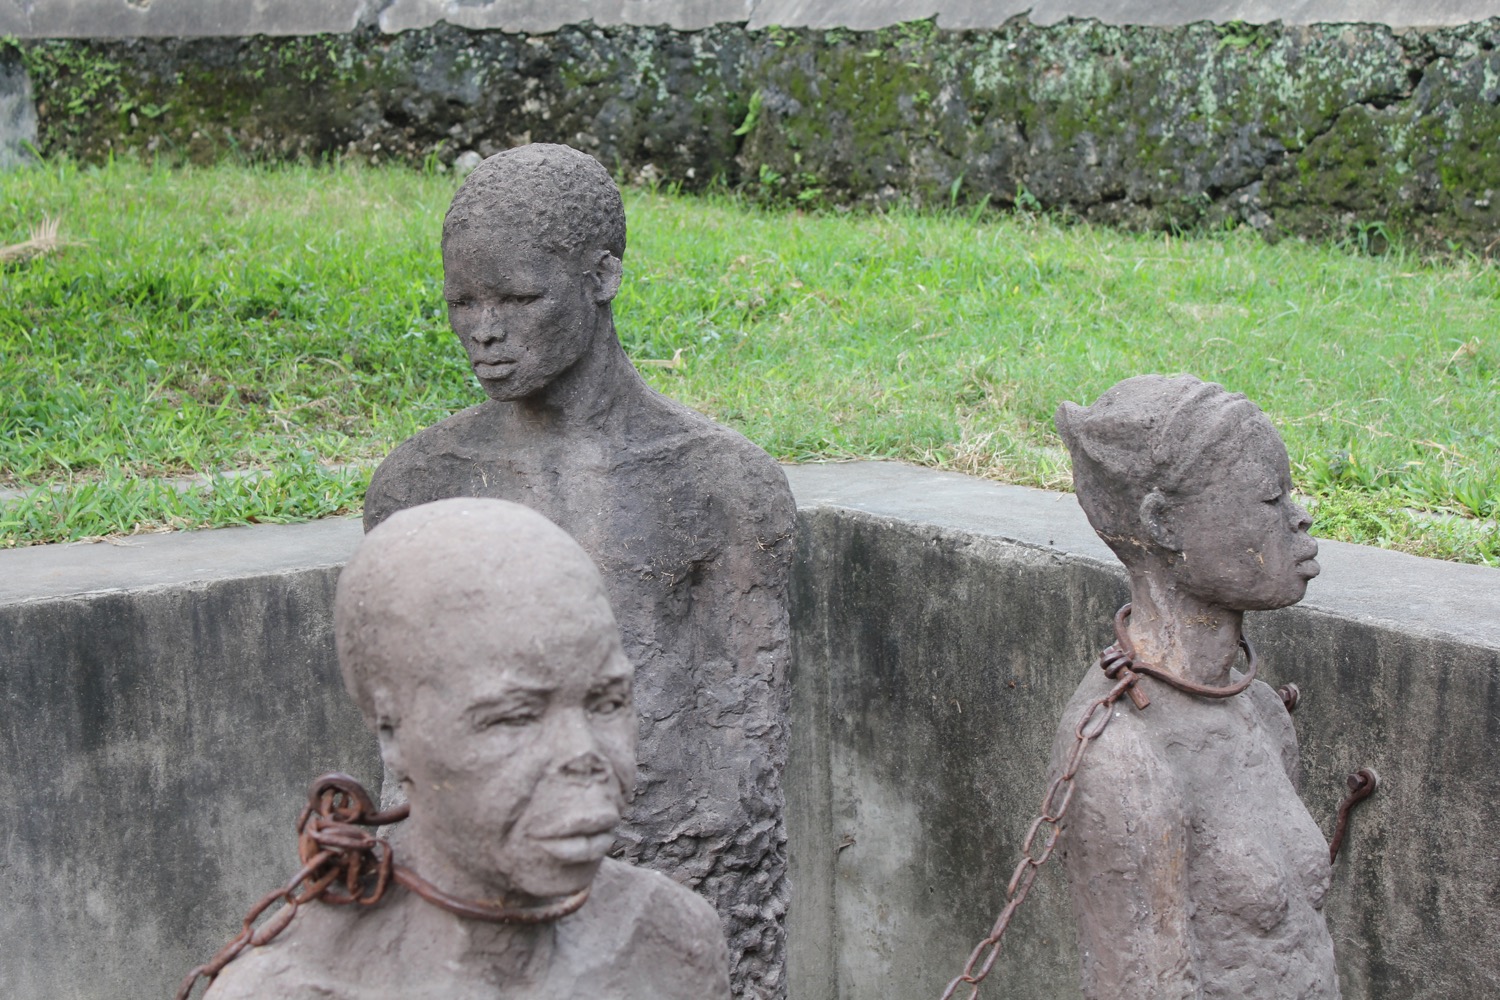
[302, 963]
[649, 937]
[1125, 847]
[651, 440]
[400, 479]
[1277, 721]
[639, 935]
[739, 467]
[1127, 749]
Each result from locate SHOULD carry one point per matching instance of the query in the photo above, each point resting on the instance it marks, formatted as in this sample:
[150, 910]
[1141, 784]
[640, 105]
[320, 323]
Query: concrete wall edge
[231, 18]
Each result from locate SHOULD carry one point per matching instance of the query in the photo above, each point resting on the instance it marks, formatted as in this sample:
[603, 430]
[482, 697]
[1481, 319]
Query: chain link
[342, 863]
[1091, 726]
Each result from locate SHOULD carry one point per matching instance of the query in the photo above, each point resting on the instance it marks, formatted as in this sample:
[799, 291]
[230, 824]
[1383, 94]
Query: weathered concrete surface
[864, 14]
[549, 15]
[131, 788]
[941, 624]
[165, 706]
[17, 111]
[1325, 130]
[162, 18]
[157, 18]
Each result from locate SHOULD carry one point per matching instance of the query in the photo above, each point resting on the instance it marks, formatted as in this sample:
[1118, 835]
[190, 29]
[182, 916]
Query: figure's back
[690, 525]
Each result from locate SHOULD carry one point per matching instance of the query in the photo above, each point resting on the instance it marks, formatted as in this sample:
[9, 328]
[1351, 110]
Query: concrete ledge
[229, 18]
[1359, 583]
[175, 559]
[167, 702]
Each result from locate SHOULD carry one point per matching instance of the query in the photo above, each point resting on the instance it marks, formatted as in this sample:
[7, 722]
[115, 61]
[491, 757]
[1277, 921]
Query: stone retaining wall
[1321, 129]
[166, 703]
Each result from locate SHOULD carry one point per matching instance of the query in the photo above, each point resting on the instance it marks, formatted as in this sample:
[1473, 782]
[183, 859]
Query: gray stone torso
[1197, 801]
[690, 525]
[639, 937]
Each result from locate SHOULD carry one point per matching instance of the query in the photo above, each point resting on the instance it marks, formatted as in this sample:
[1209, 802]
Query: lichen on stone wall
[1310, 130]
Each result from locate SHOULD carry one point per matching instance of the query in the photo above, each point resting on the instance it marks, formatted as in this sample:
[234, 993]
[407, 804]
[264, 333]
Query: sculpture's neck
[585, 394]
[479, 951]
[510, 951]
[1180, 633]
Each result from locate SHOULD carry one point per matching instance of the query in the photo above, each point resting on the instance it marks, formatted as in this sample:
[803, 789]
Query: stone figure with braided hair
[689, 523]
[1196, 870]
[477, 638]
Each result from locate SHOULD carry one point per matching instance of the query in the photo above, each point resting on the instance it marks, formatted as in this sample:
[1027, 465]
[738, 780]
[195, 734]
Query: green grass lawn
[287, 319]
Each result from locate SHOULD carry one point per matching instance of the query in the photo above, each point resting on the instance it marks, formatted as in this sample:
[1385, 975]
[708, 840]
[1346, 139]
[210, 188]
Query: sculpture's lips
[579, 839]
[1309, 567]
[581, 824]
[494, 369]
[578, 848]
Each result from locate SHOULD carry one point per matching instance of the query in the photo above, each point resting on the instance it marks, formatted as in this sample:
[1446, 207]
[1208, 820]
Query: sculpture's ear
[1156, 518]
[607, 272]
[385, 732]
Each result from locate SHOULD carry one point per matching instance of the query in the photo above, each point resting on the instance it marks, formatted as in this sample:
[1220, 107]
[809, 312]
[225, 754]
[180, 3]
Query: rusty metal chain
[343, 864]
[1290, 695]
[1362, 784]
[1118, 663]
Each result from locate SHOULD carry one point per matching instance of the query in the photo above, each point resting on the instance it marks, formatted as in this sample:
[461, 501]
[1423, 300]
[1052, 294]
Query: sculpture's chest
[1258, 861]
[642, 517]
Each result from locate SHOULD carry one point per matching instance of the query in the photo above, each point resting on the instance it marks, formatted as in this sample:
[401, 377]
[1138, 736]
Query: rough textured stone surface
[689, 522]
[549, 15]
[1195, 869]
[1322, 130]
[505, 713]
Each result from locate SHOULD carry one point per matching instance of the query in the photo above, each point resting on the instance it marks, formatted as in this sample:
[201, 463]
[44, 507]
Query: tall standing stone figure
[1196, 870]
[689, 523]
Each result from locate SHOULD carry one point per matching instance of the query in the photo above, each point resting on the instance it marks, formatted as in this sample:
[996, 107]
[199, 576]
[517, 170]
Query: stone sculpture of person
[477, 638]
[689, 523]
[1196, 870]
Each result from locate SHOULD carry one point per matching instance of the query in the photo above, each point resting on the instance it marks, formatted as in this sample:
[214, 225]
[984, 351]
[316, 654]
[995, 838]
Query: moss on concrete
[1319, 131]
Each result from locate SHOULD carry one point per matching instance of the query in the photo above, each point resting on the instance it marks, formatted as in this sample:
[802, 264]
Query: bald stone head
[477, 639]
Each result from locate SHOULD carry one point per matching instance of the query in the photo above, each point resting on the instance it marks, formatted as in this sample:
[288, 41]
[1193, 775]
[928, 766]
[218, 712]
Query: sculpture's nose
[587, 766]
[578, 748]
[489, 331]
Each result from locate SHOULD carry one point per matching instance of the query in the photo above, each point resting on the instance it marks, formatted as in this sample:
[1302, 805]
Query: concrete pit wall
[166, 704]
[1203, 114]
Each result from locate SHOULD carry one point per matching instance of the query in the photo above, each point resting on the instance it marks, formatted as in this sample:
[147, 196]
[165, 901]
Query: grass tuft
[44, 239]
